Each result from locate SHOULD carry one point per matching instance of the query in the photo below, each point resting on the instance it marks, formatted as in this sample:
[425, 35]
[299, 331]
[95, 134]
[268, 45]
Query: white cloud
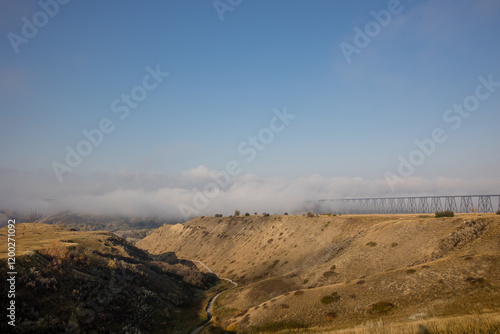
[148, 194]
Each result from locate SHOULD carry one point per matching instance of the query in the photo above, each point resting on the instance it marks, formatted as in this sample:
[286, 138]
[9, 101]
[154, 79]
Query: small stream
[214, 298]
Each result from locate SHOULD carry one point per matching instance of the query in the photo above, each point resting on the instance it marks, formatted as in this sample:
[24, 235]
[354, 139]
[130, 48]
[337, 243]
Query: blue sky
[353, 120]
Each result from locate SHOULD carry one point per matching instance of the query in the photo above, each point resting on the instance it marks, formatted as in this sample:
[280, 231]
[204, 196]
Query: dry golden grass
[439, 267]
[33, 237]
[476, 324]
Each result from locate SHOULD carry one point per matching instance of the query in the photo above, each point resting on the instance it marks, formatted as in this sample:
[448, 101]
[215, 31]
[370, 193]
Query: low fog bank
[201, 191]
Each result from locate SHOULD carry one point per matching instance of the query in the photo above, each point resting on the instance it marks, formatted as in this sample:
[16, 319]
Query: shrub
[265, 214]
[475, 280]
[112, 264]
[298, 293]
[327, 274]
[286, 213]
[371, 244]
[310, 215]
[381, 308]
[411, 271]
[247, 214]
[330, 315]
[447, 213]
[236, 213]
[327, 300]
[219, 215]
[498, 212]
[334, 297]
[394, 244]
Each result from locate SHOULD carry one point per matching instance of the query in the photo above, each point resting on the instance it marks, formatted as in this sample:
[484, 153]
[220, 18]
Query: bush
[447, 213]
[498, 212]
[265, 214]
[236, 213]
[334, 297]
[247, 214]
[371, 244]
[310, 214]
[218, 215]
[329, 273]
[381, 308]
[330, 315]
[327, 300]
[286, 213]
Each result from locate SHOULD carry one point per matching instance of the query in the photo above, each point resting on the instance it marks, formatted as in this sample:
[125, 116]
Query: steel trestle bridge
[420, 204]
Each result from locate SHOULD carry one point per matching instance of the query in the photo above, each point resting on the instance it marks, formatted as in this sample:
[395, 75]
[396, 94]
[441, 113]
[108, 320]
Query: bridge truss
[420, 204]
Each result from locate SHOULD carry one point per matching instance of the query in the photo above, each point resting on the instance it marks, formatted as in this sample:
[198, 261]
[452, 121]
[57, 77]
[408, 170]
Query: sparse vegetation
[475, 280]
[477, 324]
[387, 272]
[68, 277]
[278, 326]
[447, 213]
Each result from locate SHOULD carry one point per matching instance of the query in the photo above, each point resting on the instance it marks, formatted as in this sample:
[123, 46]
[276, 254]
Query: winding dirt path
[213, 299]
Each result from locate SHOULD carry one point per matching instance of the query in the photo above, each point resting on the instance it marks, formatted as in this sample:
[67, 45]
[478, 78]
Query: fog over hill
[203, 191]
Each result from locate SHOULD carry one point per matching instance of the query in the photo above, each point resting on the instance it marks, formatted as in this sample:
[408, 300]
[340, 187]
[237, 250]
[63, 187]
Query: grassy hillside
[89, 282]
[334, 272]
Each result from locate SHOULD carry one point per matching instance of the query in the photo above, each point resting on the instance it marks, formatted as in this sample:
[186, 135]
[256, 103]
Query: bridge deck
[414, 204]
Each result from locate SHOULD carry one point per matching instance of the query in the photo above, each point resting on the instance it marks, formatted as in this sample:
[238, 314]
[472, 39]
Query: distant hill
[336, 272]
[95, 282]
[89, 222]
[130, 228]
